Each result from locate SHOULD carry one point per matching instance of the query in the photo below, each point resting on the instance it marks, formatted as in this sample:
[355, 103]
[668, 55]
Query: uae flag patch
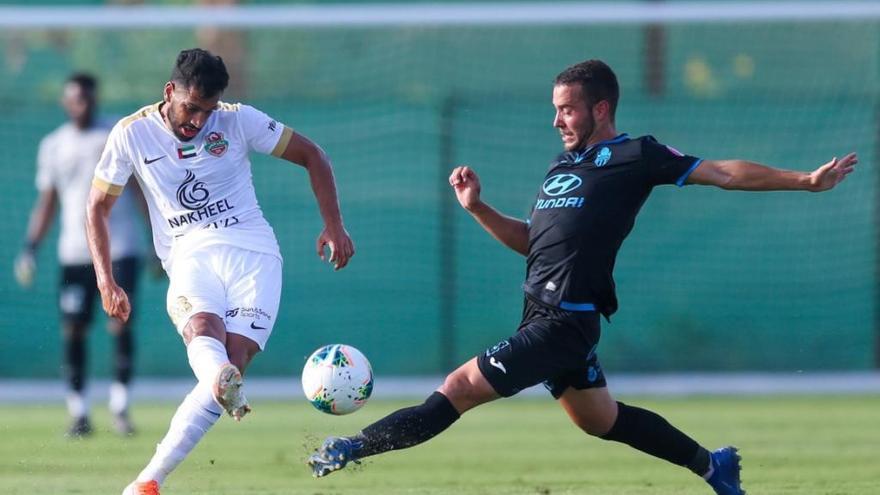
[187, 151]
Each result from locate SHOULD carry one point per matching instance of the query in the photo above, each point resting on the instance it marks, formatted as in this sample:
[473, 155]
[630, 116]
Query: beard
[176, 125]
[586, 134]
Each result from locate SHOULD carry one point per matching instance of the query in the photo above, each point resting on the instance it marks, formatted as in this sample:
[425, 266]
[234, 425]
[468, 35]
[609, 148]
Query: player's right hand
[25, 267]
[115, 302]
[466, 184]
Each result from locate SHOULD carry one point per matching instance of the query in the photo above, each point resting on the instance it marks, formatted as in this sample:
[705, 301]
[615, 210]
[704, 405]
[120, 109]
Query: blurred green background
[708, 280]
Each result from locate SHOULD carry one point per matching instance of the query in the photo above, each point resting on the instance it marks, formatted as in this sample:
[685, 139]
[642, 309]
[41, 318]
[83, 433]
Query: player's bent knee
[206, 325]
[596, 427]
[465, 390]
[594, 411]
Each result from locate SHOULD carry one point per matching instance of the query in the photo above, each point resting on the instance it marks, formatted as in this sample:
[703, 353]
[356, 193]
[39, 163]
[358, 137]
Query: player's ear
[166, 93]
[601, 111]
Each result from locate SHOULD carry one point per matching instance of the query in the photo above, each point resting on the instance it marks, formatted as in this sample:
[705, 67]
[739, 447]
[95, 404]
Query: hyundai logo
[561, 184]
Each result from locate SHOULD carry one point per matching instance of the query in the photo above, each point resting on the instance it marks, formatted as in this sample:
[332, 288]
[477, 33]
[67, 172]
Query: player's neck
[85, 123]
[603, 133]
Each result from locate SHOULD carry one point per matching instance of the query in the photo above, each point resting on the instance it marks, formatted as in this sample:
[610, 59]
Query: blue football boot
[334, 454]
[725, 472]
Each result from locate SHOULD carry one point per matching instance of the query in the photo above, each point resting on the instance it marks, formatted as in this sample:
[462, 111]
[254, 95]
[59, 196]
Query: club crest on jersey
[215, 144]
[603, 157]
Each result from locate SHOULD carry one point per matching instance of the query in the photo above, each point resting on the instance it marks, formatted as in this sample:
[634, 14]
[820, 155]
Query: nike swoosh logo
[147, 161]
[494, 362]
[255, 327]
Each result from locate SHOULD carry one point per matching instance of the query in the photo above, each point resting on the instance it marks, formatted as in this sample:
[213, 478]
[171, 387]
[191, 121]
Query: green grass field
[795, 445]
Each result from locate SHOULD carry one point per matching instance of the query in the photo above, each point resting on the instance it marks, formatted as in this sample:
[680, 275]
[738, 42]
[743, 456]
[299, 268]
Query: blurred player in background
[190, 153]
[585, 208]
[65, 167]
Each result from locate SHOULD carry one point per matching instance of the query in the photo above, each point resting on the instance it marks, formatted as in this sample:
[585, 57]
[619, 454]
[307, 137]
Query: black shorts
[79, 288]
[552, 346]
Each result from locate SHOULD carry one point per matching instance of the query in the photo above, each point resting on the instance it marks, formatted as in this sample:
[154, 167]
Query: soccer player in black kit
[585, 208]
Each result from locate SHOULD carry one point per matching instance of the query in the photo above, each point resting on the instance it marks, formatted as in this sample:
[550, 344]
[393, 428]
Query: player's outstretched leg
[399, 430]
[724, 473]
[466, 387]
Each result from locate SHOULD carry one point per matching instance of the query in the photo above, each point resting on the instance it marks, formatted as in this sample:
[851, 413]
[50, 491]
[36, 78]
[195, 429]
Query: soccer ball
[337, 379]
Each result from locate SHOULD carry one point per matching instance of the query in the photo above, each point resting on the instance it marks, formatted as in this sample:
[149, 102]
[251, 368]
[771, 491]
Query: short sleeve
[115, 166]
[263, 133]
[45, 178]
[667, 165]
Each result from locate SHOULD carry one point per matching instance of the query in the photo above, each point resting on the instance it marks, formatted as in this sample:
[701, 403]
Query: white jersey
[199, 192]
[66, 163]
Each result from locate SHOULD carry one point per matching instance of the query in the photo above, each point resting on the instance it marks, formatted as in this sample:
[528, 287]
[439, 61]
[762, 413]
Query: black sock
[649, 432]
[75, 352]
[124, 356]
[406, 427]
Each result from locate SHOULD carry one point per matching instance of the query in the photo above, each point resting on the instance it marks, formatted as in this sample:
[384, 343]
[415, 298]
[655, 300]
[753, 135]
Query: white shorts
[240, 286]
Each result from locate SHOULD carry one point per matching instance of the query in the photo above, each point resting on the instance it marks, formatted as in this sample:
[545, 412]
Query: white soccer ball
[337, 379]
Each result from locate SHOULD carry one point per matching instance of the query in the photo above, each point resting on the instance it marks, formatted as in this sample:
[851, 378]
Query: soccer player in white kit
[65, 167]
[189, 153]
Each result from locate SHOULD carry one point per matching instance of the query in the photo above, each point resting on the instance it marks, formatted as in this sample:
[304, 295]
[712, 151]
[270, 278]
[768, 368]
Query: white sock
[77, 404]
[206, 356]
[196, 415]
[118, 403]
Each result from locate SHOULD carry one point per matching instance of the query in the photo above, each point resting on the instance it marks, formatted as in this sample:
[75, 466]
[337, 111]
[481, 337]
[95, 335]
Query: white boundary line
[654, 385]
[431, 15]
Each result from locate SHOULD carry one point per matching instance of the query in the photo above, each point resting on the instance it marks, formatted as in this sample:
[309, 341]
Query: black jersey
[586, 207]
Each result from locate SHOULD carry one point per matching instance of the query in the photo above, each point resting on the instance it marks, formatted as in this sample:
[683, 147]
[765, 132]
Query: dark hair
[202, 70]
[85, 81]
[597, 81]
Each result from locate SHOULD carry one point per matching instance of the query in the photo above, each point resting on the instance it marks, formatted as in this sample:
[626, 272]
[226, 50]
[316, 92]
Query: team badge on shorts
[181, 309]
[215, 144]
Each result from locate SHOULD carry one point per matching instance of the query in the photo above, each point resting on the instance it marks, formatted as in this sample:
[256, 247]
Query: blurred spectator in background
[65, 166]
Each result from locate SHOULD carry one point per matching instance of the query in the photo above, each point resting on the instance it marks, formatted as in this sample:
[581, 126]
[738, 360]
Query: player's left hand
[832, 173]
[25, 267]
[340, 243]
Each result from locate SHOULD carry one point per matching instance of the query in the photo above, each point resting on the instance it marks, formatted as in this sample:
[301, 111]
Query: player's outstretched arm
[40, 220]
[302, 151]
[512, 232]
[113, 298]
[749, 176]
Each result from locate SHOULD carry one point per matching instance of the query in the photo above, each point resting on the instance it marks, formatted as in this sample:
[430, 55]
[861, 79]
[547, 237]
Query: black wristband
[30, 247]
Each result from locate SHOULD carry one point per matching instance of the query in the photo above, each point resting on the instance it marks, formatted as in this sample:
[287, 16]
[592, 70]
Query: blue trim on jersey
[619, 139]
[684, 177]
[570, 306]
